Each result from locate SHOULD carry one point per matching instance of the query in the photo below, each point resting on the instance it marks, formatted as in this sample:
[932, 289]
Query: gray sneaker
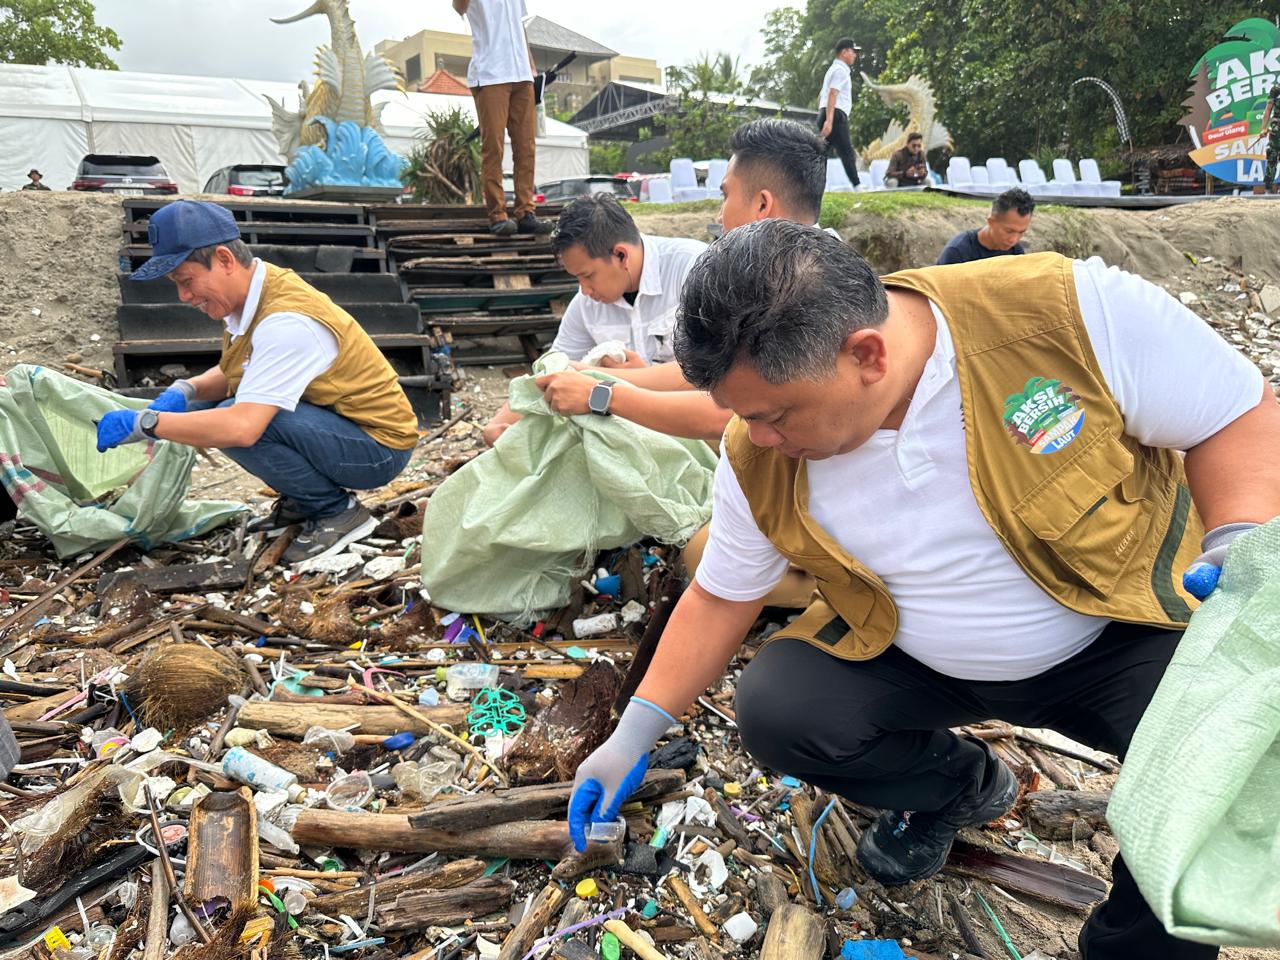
[320, 538]
[285, 512]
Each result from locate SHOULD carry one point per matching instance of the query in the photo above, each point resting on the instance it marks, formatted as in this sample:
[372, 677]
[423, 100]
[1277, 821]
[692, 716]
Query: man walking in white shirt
[501, 80]
[834, 103]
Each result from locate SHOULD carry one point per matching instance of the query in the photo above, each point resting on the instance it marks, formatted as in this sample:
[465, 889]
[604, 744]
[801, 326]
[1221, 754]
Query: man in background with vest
[301, 397]
[987, 488]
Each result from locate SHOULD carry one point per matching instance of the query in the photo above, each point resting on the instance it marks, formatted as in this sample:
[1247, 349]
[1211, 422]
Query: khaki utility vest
[1102, 523]
[360, 385]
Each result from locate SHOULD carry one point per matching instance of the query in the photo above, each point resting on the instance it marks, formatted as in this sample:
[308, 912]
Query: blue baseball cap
[180, 227]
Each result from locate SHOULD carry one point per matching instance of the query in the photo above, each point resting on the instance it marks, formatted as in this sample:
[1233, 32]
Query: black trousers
[876, 732]
[839, 139]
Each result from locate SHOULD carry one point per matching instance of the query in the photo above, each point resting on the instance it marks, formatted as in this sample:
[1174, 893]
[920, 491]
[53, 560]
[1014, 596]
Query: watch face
[598, 400]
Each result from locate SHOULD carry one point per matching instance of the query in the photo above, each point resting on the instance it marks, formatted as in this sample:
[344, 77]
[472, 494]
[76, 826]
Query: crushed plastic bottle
[239, 764]
[463, 679]
[330, 741]
[350, 793]
[424, 780]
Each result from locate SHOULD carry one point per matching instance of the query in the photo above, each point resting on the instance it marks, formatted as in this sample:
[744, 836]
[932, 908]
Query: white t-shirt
[289, 350]
[838, 76]
[903, 505]
[499, 53]
[645, 327]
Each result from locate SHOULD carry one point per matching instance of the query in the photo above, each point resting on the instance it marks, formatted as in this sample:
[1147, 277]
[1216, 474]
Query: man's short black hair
[777, 296]
[914, 135]
[845, 43]
[1014, 199]
[597, 223]
[786, 158]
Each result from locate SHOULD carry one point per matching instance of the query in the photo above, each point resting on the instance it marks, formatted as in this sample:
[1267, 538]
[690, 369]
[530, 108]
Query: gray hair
[777, 296]
[238, 249]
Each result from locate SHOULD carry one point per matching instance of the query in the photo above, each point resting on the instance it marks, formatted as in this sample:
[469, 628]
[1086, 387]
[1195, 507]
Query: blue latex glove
[1201, 577]
[175, 398]
[117, 427]
[612, 773]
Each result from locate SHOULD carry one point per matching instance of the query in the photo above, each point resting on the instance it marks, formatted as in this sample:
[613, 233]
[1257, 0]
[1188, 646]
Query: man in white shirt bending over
[777, 168]
[629, 289]
[500, 76]
[835, 103]
[990, 490]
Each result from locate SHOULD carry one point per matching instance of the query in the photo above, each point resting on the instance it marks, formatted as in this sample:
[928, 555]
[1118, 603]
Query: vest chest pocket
[1090, 520]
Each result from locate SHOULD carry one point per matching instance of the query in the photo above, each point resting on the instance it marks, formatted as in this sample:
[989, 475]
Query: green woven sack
[1197, 806]
[83, 500]
[509, 532]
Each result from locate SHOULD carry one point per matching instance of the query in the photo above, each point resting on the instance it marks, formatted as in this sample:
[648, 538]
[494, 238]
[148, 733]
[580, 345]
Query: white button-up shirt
[839, 78]
[645, 326]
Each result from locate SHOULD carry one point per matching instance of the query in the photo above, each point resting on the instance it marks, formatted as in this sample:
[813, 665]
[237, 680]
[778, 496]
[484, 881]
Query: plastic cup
[350, 793]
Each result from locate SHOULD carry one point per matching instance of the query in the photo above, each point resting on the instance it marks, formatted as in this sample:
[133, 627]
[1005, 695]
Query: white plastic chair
[684, 181]
[959, 173]
[659, 189]
[1033, 179]
[981, 181]
[715, 176]
[1090, 175]
[1064, 180]
[837, 180]
[999, 174]
[876, 173]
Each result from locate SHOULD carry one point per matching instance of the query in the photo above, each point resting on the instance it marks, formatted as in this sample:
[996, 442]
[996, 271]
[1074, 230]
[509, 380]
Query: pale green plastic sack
[509, 532]
[83, 500]
[1197, 806]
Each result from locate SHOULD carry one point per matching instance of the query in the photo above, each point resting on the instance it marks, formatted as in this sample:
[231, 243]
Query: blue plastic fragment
[358, 945]
[610, 585]
[399, 741]
[261, 641]
[791, 782]
[871, 950]
[576, 653]
[846, 898]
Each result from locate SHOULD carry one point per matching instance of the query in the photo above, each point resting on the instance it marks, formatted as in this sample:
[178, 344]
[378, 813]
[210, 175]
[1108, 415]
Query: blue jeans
[313, 456]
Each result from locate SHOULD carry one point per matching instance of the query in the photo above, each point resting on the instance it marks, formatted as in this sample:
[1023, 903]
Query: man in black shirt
[1009, 220]
[37, 181]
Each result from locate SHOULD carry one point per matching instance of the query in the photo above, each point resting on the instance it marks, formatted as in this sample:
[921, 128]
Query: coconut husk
[133, 931]
[178, 684]
[329, 622]
[97, 819]
[225, 944]
[419, 625]
[403, 522]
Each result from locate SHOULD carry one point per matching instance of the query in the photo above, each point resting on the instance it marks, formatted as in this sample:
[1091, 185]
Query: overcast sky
[235, 38]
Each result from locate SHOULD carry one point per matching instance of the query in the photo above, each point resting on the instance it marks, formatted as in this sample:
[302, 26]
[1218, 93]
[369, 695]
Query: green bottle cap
[610, 948]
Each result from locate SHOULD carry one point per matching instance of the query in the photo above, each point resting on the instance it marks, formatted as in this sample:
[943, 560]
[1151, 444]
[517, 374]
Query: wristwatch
[598, 400]
[147, 420]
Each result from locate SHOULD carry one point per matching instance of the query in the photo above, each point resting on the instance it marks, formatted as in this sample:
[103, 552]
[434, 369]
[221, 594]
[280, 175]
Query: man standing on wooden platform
[501, 80]
[990, 492]
[301, 397]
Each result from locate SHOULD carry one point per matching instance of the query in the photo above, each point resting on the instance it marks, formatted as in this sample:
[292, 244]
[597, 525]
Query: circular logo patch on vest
[1046, 416]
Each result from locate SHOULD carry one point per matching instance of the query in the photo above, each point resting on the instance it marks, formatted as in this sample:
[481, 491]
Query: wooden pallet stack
[496, 299]
[335, 247]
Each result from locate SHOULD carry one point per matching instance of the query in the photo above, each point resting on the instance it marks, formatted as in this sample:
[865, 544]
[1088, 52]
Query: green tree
[444, 165]
[607, 156]
[55, 31]
[710, 93]
[1002, 69]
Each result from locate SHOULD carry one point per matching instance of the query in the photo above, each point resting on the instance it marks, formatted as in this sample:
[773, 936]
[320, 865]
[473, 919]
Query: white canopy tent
[52, 116]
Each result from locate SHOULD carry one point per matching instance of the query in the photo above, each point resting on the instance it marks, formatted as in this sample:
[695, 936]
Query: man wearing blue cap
[300, 398]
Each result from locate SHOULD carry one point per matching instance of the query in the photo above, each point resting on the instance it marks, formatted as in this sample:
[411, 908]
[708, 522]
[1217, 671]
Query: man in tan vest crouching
[980, 466]
[301, 397]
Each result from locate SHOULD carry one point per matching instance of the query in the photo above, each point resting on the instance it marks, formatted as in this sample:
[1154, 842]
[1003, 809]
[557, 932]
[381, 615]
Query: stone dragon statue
[922, 116]
[345, 78]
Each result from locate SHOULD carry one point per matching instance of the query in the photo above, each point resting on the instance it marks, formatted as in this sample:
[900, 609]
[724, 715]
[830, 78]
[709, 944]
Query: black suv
[124, 176]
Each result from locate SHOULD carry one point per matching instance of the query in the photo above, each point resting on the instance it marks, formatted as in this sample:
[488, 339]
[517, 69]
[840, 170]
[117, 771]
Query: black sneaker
[285, 512]
[531, 224]
[320, 538]
[902, 847]
[502, 228]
